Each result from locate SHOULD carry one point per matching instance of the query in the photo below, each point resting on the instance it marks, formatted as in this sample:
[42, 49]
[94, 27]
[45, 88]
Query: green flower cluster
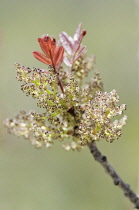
[75, 113]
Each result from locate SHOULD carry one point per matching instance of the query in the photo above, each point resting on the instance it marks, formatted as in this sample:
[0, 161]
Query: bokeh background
[32, 179]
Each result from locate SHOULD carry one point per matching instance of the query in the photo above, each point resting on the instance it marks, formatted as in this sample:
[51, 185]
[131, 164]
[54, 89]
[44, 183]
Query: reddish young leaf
[67, 42]
[81, 50]
[53, 55]
[58, 58]
[41, 57]
[72, 45]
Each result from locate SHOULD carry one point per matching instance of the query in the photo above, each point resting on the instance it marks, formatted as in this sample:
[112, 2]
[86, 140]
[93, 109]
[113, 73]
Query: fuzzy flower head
[74, 112]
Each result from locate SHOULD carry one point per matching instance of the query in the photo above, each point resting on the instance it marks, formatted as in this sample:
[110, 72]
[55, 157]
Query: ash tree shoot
[76, 113]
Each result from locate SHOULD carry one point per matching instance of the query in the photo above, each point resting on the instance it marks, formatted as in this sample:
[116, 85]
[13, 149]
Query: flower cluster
[75, 112]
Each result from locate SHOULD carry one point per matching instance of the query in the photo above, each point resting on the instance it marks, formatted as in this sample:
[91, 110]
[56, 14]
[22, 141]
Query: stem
[112, 173]
[59, 81]
[61, 86]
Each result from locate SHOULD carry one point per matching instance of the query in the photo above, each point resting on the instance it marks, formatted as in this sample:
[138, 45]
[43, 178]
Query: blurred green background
[32, 179]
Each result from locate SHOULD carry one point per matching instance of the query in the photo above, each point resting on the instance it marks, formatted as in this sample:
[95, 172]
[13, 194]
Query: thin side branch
[116, 179]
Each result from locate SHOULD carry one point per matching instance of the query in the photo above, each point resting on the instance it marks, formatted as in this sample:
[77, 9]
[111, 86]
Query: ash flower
[53, 55]
[72, 46]
[79, 113]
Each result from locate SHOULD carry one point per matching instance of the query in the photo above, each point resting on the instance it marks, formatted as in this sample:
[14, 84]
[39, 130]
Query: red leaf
[42, 45]
[59, 55]
[53, 55]
[41, 57]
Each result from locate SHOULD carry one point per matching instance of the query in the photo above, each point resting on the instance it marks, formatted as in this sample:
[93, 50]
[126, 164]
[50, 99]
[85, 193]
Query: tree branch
[116, 179]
